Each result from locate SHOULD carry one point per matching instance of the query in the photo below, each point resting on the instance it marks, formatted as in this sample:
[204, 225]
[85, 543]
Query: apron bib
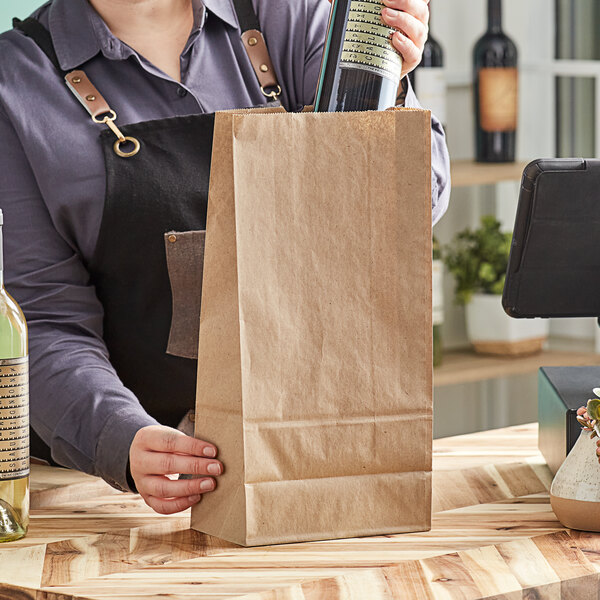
[150, 247]
[148, 195]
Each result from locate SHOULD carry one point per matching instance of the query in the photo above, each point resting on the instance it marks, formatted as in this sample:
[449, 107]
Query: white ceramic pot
[575, 491]
[492, 331]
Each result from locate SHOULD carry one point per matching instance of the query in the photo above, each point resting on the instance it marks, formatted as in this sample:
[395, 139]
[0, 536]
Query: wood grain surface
[494, 536]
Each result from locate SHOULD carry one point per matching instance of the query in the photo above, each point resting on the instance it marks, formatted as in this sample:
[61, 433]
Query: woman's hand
[159, 451]
[411, 19]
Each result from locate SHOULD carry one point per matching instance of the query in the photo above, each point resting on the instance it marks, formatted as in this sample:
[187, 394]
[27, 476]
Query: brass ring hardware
[272, 94]
[119, 152]
[252, 41]
[109, 121]
[112, 115]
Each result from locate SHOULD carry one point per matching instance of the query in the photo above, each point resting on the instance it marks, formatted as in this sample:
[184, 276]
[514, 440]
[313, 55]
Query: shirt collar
[79, 33]
[224, 10]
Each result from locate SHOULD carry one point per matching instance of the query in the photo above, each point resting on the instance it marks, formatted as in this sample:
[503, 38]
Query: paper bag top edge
[307, 110]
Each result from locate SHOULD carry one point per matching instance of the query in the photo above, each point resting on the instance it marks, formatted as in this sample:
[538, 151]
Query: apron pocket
[185, 262]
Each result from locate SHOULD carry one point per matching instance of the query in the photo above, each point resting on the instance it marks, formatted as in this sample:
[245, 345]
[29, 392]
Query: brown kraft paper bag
[314, 361]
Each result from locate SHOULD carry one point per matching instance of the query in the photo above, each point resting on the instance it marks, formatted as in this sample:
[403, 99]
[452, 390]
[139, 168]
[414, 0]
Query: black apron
[160, 189]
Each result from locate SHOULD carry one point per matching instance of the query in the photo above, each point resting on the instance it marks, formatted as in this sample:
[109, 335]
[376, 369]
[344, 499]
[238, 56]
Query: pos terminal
[554, 271]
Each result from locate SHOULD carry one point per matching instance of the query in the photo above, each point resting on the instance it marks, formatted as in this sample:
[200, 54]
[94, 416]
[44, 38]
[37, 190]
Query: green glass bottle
[14, 416]
[438, 302]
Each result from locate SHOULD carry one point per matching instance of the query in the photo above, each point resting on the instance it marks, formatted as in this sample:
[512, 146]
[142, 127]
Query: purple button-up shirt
[52, 187]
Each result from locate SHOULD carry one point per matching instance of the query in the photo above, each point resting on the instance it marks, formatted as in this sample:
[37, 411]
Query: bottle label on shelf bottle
[438, 292]
[367, 41]
[498, 98]
[14, 418]
[431, 90]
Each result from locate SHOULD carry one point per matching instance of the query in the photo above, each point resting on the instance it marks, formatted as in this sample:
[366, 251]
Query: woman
[85, 255]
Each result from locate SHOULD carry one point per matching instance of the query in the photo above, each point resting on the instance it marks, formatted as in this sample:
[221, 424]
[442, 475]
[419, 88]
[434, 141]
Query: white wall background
[16, 8]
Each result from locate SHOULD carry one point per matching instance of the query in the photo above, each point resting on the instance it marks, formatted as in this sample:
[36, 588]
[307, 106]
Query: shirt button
[181, 92]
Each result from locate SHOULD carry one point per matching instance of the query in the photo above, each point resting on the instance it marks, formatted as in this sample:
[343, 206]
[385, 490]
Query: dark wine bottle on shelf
[429, 78]
[496, 91]
[360, 70]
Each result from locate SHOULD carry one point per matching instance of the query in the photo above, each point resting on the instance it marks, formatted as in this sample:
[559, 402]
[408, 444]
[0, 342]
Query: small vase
[575, 491]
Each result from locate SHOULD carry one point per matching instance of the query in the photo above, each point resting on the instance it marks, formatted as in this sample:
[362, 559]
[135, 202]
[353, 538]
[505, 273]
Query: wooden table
[494, 536]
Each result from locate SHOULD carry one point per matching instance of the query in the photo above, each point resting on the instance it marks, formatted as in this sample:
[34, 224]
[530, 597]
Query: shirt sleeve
[440, 160]
[78, 405]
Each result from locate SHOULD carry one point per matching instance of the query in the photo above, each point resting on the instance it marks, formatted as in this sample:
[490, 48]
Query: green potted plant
[478, 260]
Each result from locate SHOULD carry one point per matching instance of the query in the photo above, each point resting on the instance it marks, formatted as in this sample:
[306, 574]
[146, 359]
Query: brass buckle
[273, 94]
[109, 121]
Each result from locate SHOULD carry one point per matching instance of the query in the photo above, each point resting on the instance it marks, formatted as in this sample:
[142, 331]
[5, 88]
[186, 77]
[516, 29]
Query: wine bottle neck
[495, 16]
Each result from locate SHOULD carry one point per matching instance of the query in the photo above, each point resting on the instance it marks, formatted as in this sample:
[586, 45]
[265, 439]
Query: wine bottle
[496, 91]
[429, 78]
[361, 70]
[438, 302]
[14, 416]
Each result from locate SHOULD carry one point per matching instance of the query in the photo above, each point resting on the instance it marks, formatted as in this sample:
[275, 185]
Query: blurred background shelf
[464, 366]
[467, 172]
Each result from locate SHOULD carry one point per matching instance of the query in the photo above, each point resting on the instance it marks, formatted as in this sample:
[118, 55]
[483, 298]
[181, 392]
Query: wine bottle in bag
[14, 416]
[361, 70]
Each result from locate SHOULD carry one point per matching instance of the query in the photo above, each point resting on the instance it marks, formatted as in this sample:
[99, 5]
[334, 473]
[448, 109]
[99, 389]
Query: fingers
[410, 18]
[411, 55]
[414, 29]
[159, 451]
[162, 487]
[165, 439]
[417, 8]
[163, 463]
[171, 505]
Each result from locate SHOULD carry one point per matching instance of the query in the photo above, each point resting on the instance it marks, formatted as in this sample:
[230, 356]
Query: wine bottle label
[431, 90]
[498, 99]
[438, 292]
[14, 418]
[367, 41]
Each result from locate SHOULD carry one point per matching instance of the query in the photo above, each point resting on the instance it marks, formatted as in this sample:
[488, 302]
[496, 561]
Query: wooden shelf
[467, 367]
[468, 172]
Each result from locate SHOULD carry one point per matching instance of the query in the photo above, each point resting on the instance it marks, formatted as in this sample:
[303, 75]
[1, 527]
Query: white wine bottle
[14, 416]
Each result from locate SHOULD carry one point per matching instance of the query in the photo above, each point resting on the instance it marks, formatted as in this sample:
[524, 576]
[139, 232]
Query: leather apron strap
[41, 36]
[256, 48]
